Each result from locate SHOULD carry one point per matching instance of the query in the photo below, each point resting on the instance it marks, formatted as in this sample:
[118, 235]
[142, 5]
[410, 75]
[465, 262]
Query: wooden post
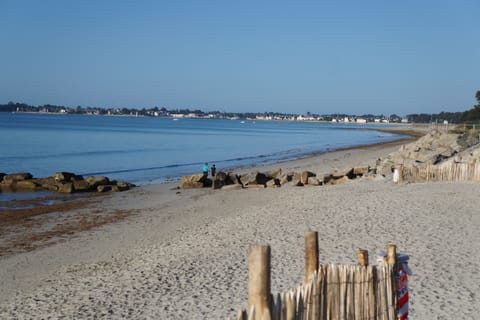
[392, 260]
[291, 306]
[362, 257]
[311, 254]
[392, 254]
[259, 279]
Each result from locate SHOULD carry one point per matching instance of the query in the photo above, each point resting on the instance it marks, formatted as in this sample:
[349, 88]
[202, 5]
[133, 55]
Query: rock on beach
[62, 182]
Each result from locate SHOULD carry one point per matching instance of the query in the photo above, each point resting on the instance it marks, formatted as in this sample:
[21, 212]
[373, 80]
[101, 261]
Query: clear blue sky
[354, 57]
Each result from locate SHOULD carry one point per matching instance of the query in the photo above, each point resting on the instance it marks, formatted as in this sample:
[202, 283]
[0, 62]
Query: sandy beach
[181, 254]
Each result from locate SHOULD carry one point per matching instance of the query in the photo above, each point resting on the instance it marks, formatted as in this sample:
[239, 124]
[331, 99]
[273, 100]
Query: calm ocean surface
[155, 150]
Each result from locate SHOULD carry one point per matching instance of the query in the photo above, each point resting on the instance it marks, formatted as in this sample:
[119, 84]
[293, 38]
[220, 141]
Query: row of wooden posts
[328, 292]
[450, 171]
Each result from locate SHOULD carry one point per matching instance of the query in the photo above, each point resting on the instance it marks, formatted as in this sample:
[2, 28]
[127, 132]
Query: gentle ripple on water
[153, 150]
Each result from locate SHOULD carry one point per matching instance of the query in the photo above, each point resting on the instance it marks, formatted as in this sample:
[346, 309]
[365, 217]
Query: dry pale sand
[183, 256]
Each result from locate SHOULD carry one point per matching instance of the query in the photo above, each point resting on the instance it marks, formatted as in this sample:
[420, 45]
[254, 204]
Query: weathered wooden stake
[392, 254]
[392, 260]
[311, 254]
[259, 279]
[291, 309]
[362, 257]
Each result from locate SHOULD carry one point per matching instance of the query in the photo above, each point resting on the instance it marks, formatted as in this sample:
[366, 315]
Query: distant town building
[360, 120]
[259, 117]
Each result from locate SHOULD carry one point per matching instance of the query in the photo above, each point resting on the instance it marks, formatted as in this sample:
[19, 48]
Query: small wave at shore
[146, 151]
[173, 172]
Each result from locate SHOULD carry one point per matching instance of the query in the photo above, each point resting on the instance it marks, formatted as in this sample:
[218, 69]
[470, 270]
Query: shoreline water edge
[18, 207]
[31, 199]
[149, 151]
[157, 251]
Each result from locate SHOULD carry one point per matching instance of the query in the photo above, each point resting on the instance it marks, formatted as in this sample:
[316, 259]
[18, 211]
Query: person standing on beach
[213, 170]
[205, 169]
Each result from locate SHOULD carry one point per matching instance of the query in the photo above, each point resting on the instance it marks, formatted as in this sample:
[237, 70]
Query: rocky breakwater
[62, 182]
[437, 156]
[275, 179]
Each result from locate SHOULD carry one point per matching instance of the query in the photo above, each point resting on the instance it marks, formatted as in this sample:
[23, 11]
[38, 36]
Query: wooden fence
[449, 171]
[329, 291]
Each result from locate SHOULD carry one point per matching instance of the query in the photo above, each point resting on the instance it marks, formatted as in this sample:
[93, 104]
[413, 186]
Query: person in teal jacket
[205, 169]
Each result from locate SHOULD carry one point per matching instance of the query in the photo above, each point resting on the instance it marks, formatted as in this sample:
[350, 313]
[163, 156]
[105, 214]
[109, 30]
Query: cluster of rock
[63, 182]
[432, 155]
[275, 179]
[437, 156]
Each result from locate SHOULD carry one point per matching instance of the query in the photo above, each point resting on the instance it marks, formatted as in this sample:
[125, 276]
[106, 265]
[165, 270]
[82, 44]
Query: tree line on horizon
[469, 116]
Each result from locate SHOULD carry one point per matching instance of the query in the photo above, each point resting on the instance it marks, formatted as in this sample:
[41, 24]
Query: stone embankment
[63, 182]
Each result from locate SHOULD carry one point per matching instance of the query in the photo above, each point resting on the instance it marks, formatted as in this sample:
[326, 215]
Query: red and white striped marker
[402, 292]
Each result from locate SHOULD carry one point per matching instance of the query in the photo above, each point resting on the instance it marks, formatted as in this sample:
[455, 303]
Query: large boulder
[324, 178]
[276, 174]
[65, 187]
[7, 184]
[273, 183]
[50, 187]
[233, 178]
[195, 181]
[95, 181]
[104, 188]
[292, 179]
[219, 180]
[17, 177]
[338, 174]
[360, 171]
[41, 181]
[254, 178]
[66, 177]
[305, 175]
[82, 186]
[287, 177]
[314, 181]
[24, 185]
[122, 186]
[48, 183]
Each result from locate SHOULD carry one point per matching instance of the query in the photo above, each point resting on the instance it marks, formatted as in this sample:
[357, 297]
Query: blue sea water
[147, 150]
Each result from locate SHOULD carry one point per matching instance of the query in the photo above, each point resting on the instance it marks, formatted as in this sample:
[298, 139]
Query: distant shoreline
[208, 118]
